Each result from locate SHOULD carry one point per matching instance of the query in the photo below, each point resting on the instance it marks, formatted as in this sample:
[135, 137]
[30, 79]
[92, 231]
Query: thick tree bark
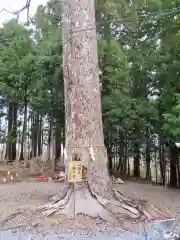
[82, 94]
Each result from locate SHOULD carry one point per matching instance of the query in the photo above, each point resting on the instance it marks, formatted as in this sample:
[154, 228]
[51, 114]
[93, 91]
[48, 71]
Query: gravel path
[24, 195]
[31, 194]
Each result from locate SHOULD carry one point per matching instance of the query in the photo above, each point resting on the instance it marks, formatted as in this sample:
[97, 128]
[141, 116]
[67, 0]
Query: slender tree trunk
[121, 151]
[156, 166]
[173, 163]
[136, 161]
[148, 162]
[58, 139]
[10, 122]
[129, 169]
[39, 144]
[34, 134]
[52, 155]
[49, 138]
[24, 130]
[125, 156]
[12, 131]
[162, 162]
[109, 154]
[28, 142]
[42, 136]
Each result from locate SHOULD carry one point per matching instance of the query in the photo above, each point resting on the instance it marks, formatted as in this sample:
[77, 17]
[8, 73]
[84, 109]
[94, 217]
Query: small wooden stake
[74, 201]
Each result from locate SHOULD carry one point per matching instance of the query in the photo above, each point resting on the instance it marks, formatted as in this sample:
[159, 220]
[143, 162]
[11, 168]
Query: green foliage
[172, 120]
[139, 60]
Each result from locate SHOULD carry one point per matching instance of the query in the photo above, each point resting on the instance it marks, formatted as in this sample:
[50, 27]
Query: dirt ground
[28, 195]
[23, 195]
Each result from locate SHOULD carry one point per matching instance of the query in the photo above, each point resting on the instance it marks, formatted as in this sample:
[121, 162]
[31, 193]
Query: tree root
[89, 203]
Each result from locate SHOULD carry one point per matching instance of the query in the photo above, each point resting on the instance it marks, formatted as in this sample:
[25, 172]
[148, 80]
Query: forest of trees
[139, 54]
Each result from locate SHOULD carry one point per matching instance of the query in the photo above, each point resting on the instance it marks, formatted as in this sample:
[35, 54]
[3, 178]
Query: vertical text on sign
[75, 171]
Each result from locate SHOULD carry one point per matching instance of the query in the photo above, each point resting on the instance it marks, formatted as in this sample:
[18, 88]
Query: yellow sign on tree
[75, 171]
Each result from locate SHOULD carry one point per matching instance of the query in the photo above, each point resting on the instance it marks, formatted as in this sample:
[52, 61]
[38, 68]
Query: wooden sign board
[75, 171]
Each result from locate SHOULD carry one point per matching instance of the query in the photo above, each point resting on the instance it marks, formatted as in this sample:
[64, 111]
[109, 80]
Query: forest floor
[22, 195]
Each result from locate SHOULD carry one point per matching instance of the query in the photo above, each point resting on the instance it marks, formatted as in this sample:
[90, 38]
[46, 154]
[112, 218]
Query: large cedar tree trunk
[82, 93]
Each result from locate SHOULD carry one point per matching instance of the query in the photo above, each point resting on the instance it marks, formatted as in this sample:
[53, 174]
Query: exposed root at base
[89, 203]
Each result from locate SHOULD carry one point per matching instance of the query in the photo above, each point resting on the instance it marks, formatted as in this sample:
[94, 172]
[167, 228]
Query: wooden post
[74, 201]
[74, 176]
